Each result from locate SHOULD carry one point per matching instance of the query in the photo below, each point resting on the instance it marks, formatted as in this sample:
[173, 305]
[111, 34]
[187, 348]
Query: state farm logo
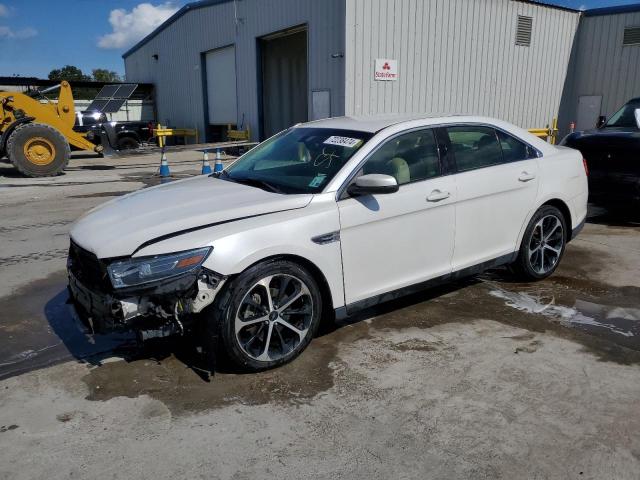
[386, 75]
[385, 69]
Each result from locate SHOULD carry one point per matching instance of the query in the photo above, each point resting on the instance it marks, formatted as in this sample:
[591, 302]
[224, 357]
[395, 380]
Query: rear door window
[474, 147]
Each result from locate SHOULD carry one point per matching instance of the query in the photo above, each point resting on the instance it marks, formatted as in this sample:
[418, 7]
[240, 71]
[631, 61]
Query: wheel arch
[314, 270]
[128, 134]
[566, 212]
[554, 201]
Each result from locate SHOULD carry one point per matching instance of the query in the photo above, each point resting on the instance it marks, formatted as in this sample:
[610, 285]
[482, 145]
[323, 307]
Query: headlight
[137, 271]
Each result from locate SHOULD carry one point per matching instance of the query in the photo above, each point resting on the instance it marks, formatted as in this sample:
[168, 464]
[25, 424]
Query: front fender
[238, 245]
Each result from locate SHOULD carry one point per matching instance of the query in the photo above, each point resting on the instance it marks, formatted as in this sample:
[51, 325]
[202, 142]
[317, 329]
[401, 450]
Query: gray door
[284, 82]
[588, 111]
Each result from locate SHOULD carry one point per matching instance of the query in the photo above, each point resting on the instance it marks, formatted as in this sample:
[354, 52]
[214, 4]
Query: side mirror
[373, 183]
[601, 121]
[636, 113]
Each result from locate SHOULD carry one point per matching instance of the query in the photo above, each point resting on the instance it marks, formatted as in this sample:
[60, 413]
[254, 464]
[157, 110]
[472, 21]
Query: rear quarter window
[513, 149]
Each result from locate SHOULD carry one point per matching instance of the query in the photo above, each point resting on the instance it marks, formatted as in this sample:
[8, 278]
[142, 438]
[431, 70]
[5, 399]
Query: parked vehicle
[612, 152]
[129, 134]
[37, 137]
[322, 220]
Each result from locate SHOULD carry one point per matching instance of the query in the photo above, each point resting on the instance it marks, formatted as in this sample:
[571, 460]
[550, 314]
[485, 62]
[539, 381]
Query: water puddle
[39, 329]
[618, 320]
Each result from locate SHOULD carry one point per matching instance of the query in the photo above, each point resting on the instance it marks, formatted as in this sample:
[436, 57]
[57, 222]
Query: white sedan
[320, 221]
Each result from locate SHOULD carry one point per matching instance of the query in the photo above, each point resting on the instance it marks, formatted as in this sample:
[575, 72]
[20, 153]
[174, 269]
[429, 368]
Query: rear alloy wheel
[38, 150]
[269, 315]
[543, 244]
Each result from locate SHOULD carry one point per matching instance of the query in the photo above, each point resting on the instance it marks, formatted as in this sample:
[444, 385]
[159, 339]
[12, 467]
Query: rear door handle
[437, 195]
[526, 176]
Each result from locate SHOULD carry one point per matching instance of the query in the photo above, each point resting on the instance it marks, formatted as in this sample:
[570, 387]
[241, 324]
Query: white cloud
[4, 10]
[582, 7]
[129, 27]
[9, 33]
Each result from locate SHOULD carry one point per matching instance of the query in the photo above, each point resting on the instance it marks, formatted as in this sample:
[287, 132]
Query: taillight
[586, 167]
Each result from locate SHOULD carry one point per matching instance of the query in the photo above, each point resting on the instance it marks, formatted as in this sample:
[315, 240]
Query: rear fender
[7, 133]
[129, 133]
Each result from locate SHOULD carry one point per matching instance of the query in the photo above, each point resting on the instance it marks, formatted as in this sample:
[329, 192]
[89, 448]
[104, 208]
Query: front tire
[266, 316]
[542, 245]
[38, 150]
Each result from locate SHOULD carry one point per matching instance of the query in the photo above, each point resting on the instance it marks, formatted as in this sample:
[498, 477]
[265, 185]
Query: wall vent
[523, 31]
[631, 36]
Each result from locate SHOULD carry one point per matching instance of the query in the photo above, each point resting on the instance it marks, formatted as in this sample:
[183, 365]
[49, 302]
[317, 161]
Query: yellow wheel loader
[37, 137]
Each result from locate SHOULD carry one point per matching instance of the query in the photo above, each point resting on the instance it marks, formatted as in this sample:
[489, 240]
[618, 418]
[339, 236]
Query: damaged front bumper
[155, 310]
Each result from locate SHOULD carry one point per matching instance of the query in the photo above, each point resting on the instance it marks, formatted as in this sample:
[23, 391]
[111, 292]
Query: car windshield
[625, 117]
[298, 160]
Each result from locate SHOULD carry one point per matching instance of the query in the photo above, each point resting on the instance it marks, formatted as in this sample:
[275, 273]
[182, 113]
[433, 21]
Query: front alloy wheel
[267, 315]
[274, 317]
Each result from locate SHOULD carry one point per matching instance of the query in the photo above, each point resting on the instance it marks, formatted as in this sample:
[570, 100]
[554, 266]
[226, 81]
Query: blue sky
[39, 35]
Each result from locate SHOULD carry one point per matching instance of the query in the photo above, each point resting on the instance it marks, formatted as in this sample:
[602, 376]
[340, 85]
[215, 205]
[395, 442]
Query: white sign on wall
[385, 69]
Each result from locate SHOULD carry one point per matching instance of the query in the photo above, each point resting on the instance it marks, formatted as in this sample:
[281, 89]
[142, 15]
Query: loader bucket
[108, 140]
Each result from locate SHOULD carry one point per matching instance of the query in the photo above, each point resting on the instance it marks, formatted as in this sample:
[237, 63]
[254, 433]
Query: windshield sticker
[342, 141]
[317, 180]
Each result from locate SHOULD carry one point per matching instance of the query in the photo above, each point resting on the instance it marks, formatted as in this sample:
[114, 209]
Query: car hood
[119, 227]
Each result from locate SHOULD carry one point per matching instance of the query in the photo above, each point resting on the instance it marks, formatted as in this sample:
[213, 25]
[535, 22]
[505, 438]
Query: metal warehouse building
[268, 64]
[604, 72]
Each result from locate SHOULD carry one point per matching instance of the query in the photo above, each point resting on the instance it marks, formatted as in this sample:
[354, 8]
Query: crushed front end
[156, 296]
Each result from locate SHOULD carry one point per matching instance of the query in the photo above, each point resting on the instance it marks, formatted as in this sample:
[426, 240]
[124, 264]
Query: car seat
[399, 168]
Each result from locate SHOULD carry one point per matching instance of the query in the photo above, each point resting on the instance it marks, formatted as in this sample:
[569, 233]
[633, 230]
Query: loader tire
[38, 150]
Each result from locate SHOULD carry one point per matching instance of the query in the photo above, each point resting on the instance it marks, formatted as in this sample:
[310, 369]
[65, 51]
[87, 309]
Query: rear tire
[542, 245]
[38, 150]
[251, 334]
[128, 143]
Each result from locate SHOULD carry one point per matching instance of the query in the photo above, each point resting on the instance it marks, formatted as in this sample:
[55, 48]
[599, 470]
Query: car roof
[370, 123]
[375, 123]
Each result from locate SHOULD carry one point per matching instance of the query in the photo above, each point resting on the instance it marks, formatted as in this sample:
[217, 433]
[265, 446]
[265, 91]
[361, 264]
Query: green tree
[104, 75]
[69, 73]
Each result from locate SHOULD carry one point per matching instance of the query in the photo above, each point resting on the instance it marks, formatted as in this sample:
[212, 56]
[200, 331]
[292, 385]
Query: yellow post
[554, 131]
[549, 133]
[161, 138]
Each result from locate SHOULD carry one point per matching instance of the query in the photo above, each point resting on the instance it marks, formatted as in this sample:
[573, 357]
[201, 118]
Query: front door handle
[437, 195]
[526, 176]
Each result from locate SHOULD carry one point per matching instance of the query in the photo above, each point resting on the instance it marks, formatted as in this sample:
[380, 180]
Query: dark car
[129, 134]
[612, 152]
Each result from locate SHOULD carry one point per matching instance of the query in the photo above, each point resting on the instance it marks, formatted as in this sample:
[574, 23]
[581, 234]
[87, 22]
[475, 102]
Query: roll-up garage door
[220, 67]
[284, 81]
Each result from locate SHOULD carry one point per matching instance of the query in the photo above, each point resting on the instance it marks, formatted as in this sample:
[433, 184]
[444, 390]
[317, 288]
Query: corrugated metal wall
[601, 65]
[458, 56]
[177, 74]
